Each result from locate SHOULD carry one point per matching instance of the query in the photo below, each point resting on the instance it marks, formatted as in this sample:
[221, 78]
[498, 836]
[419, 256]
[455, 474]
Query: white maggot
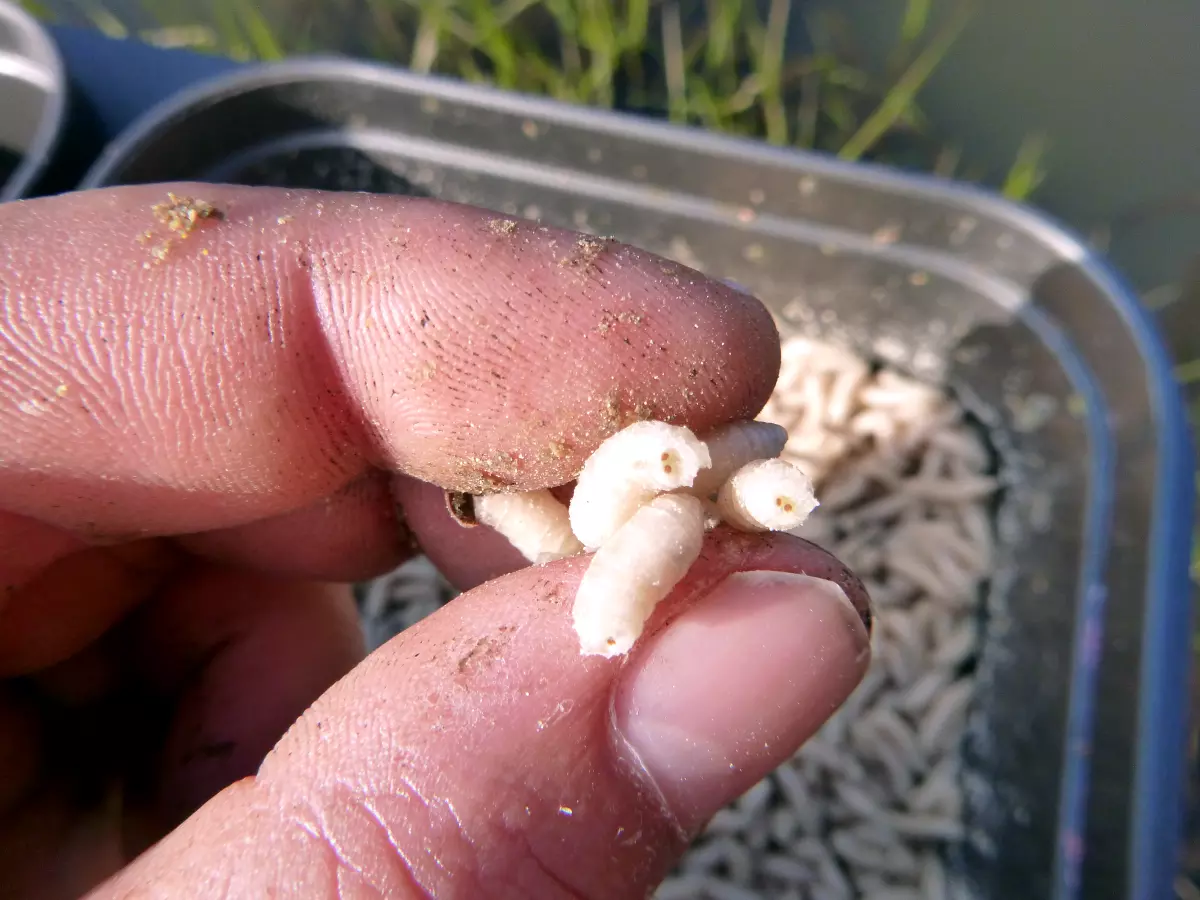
[534, 522]
[766, 495]
[634, 570]
[627, 471]
[732, 446]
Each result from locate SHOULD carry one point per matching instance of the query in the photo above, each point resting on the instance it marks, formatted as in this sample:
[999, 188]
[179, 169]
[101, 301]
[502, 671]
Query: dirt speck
[490, 474]
[553, 596]
[183, 215]
[585, 251]
[461, 507]
[617, 413]
[612, 410]
[558, 449]
[482, 654]
[610, 320]
[502, 226]
[283, 220]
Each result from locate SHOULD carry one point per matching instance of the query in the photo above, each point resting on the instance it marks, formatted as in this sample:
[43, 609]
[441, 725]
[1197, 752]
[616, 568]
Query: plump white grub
[627, 471]
[732, 446]
[634, 570]
[766, 495]
[534, 522]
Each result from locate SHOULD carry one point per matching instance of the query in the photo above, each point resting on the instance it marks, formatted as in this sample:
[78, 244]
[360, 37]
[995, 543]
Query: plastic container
[1075, 753]
[33, 101]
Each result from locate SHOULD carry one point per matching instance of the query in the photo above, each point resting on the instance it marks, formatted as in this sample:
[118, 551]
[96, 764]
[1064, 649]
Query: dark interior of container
[942, 290]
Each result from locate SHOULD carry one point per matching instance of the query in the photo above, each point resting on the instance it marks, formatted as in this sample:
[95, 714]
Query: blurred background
[1083, 108]
[1078, 106]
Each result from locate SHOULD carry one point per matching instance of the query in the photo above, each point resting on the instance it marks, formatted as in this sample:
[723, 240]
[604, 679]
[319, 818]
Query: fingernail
[736, 684]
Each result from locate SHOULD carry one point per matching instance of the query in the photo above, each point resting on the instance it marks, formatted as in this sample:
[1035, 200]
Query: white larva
[733, 446]
[627, 471]
[787, 869]
[726, 821]
[535, 522]
[634, 570]
[766, 495]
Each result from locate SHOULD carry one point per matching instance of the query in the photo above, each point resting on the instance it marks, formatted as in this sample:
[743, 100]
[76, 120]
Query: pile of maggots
[642, 503]
[868, 807]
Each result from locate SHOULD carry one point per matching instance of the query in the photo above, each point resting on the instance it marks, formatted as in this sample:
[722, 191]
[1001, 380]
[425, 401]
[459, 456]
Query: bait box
[33, 98]
[1076, 745]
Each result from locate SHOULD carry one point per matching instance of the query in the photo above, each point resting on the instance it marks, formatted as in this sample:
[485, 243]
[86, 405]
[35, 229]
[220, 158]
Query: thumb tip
[737, 684]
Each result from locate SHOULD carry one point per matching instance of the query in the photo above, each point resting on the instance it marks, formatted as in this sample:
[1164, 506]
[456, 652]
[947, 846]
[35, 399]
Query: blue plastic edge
[1159, 782]
[1166, 644]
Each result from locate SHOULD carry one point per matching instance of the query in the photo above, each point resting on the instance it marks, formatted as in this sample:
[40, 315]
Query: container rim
[261, 75]
[41, 54]
[1166, 642]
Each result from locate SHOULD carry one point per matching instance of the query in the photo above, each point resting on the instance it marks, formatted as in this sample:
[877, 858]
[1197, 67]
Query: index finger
[190, 357]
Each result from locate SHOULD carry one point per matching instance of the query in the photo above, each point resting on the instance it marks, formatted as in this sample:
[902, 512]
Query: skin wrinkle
[359, 430]
[397, 862]
[403, 863]
[327, 851]
[630, 761]
[546, 877]
[342, 860]
[336, 307]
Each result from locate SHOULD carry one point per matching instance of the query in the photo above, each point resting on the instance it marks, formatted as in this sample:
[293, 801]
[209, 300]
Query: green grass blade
[428, 41]
[485, 33]
[840, 111]
[103, 21]
[721, 34]
[704, 104]
[1027, 172]
[902, 94]
[1188, 372]
[673, 62]
[636, 29]
[947, 162]
[259, 36]
[39, 10]
[916, 19]
[199, 38]
[388, 40]
[230, 37]
[809, 111]
[598, 36]
[770, 71]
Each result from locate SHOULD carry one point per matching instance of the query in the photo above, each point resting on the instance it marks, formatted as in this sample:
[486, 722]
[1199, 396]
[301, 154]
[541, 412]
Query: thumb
[479, 756]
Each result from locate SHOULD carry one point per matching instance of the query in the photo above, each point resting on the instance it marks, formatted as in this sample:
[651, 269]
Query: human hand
[209, 423]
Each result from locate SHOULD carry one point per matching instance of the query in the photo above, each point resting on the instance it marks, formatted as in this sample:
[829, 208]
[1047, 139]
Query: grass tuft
[718, 64]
